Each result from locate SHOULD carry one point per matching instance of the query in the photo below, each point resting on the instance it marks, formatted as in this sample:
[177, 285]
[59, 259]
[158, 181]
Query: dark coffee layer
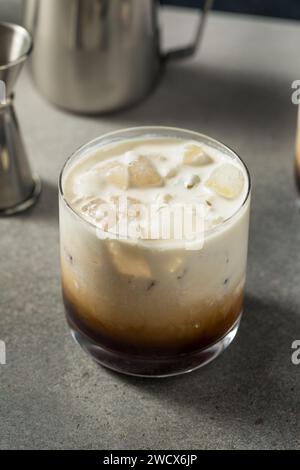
[148, 340]
[297, 170]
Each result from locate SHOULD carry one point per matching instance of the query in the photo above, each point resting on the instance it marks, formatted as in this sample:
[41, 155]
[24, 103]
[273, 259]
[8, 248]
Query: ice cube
[92, 207]
[101, 213]
[171, 172]
[127, 207]
[134, 208]
[143, 174]
[226, 180]
[194, 155]
[116, 173]
[130, 157]
[129, 261]
[191, 181]
[123, 201]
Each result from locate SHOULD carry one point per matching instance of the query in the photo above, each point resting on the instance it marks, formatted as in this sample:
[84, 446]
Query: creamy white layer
[145, 180]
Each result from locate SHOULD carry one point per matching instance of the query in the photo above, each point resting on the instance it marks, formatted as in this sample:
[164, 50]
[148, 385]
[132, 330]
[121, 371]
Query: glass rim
[143, 130]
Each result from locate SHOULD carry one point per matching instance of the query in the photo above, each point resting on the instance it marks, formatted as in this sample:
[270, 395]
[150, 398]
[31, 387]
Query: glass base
[153, 366]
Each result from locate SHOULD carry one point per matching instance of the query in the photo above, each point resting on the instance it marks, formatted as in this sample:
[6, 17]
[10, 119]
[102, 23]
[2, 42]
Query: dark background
[276, 8]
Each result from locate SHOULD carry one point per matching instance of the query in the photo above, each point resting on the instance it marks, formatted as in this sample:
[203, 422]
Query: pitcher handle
[190, 49]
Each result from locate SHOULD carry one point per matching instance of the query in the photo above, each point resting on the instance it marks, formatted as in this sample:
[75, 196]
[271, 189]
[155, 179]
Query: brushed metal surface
[96, 56]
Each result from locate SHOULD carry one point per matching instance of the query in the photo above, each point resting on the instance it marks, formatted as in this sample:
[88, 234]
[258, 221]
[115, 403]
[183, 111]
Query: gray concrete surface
[52, 395]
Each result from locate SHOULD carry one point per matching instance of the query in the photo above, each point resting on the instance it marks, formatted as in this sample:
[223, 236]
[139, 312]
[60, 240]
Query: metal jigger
[19, 189]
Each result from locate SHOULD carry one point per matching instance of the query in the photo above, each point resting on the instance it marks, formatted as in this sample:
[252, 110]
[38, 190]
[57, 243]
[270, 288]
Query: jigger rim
[24, 31]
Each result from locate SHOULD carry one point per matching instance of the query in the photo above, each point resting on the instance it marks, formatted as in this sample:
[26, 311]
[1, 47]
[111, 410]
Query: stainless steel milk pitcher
[95, 56]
